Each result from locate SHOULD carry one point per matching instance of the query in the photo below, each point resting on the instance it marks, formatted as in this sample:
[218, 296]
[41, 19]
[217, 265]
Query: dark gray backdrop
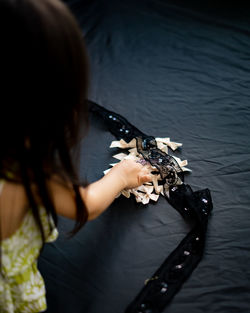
[178, 71]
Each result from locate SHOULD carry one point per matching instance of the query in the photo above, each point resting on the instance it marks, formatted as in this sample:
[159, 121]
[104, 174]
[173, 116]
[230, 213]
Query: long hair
[44, 74]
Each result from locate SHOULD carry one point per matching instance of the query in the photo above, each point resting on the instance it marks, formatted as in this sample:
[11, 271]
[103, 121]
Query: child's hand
[132, 173]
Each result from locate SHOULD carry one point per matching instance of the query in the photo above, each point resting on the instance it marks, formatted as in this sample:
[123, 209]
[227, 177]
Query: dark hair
[44, 74]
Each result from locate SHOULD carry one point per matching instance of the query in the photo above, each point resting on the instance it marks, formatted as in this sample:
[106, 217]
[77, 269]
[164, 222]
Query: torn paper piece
[123, 144]
[173, 145]
[162, 147]
[180, 162]
[113, 164]
[106, 171]
[133, 151]
[126, 193]
[145, 188]
[185, 169]
[120, 156]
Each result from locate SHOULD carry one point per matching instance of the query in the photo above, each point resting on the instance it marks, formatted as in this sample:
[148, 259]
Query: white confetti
[150, 190]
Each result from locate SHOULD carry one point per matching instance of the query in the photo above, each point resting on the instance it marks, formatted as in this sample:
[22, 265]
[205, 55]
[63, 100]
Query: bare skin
[97, 196]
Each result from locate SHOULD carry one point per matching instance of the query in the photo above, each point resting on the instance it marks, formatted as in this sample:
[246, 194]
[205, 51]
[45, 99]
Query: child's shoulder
[16, 214]
[13, 207]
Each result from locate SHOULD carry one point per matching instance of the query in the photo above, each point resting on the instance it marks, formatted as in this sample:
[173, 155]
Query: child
[44, 83]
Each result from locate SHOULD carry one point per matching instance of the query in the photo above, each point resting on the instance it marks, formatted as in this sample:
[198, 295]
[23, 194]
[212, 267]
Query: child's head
[44, 73]
[43, 67]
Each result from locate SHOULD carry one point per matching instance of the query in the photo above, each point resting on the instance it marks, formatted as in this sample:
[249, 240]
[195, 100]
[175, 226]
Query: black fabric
[177, 71]
[178, 266]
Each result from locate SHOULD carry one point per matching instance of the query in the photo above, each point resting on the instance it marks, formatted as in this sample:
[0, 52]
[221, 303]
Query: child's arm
[100, 194]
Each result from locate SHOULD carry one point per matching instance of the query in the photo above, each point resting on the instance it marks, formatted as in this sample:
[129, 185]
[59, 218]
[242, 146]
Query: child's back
[21, 285]
[44, 73]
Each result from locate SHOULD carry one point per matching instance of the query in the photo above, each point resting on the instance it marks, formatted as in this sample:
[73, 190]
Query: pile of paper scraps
[152, 190]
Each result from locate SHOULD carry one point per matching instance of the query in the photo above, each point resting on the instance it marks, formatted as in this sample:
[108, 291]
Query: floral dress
[22, 287]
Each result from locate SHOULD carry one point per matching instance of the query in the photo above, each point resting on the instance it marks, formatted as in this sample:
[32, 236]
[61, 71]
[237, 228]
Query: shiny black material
[178, 266]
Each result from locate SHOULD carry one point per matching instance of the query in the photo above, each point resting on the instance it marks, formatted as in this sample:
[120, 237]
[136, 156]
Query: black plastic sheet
[173, 70]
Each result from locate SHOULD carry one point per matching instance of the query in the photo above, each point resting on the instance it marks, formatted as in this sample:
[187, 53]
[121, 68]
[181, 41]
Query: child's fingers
[145, 171]
[145, 178]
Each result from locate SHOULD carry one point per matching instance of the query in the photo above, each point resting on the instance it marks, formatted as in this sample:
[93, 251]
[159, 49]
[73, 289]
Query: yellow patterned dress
[22, 287]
